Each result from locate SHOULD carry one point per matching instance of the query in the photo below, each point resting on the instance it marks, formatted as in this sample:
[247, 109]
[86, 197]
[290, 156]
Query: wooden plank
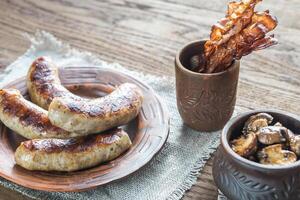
[205, 187]
[8, 194]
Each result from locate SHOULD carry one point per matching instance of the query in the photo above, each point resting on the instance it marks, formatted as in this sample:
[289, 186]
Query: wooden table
[145, 35]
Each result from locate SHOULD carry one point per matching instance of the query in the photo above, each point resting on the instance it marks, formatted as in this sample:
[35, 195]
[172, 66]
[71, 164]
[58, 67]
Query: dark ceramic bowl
[239, 178]
[205, 101]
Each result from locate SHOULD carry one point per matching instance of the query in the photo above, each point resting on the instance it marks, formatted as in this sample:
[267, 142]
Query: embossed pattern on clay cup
[205, 101]
[239, 178]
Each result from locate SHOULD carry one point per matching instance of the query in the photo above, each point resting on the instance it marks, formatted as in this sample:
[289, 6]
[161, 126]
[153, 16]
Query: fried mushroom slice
[295, 144]
[255, 122]
[277, 124]
[245, 145]
[289, 135]
[275, 155]
[271, 135]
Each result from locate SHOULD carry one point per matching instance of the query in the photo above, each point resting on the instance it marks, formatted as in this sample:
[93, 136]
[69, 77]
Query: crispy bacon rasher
[242, 31]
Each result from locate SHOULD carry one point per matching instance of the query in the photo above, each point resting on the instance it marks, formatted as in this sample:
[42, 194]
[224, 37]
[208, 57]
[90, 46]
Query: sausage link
[76, 114]
[72, 154]
[26, 118]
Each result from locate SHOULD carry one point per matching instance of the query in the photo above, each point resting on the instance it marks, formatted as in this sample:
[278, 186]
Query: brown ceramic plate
[148, 132]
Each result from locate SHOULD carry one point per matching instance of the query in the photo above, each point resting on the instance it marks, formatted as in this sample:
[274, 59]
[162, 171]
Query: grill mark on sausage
[44, 78]
[45, 81]
[74, 145]
[15, 105]
[126, 98]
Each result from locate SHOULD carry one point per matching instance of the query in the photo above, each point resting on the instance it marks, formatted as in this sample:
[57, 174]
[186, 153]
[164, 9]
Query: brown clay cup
[205, 100]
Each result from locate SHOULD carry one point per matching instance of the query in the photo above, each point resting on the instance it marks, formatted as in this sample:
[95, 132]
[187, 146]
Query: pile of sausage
[265, 143]
[67, 132]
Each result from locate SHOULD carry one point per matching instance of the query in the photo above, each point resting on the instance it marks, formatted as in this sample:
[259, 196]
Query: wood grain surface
[146, 34]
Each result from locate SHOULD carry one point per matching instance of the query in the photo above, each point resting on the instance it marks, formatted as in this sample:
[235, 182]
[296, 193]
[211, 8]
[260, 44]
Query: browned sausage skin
[115, 109]
[26, 118]
[76, 114]
[72, 154]
[44, 84]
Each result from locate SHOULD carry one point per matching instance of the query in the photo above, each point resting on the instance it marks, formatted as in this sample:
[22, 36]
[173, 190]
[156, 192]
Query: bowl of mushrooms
[259, 156]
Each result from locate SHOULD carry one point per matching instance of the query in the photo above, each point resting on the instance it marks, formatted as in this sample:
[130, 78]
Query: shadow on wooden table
[205, 188]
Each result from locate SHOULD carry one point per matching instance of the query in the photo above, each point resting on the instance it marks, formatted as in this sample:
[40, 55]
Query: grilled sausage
[76, 114]
[72, 154]
[26, 118]
[43, 83]
[115, 109]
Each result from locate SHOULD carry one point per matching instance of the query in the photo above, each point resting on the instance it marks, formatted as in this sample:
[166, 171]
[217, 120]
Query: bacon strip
[241, 32]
